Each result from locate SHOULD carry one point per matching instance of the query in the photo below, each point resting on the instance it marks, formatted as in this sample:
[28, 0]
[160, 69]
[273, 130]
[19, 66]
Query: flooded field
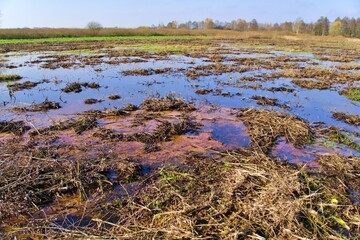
[192, 137]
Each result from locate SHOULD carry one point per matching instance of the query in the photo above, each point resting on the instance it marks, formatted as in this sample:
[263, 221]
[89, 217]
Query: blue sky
[134, 13]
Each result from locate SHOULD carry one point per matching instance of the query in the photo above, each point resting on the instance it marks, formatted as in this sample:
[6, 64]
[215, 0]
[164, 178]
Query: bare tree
[94, 27]
[357, 30]
[254, 25]
[286, 26]
[276, 27]
[209, 23]
[299, 26]
[172, 24]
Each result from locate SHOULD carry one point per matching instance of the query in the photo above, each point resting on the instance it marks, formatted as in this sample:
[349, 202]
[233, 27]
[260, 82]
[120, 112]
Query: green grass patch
[251, 45]
[109, 38]
[174, 49]
[292, 49]
[344, 138]
[351, 93]
[83, 51]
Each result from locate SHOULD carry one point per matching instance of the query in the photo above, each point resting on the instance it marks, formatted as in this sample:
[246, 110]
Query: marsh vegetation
[230, 136]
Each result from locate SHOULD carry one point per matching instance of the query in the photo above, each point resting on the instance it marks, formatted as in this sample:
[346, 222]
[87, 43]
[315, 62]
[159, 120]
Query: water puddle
[232, 134]
[355, 196]
[72, 222]
[286, 151]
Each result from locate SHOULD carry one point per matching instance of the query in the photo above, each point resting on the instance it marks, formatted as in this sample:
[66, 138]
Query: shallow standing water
[313, 105]
[233, 89]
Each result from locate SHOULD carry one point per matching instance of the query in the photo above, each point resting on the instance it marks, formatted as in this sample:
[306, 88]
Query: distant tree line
[349, 27]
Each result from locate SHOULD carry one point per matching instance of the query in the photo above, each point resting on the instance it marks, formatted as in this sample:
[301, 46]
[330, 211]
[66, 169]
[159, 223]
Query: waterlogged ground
[234, 89]
[226, 76]
[118, 116]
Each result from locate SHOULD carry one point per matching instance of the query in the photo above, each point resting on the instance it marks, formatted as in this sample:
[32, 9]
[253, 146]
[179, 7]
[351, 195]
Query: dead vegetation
[15, 127]
[348, 118]
[130, 107]
[41, 107]
[241, 195]
[146, 72]
[92, 101]
[9, 77]
[312, 84]
[92, 85]
[349, 66]
[165, 132]
[265, 127]
[249, 79]
[212, 69]
[25, 85]
[114, 97]
[86, 120]
[244, 194]
[281, 89]
[169, 102]
[72, 87]
[265, 101]
[203, 91]
[36, 177]
[68, 61]
[343, 59]
[77, 87]
[326, 76]
[77, 125]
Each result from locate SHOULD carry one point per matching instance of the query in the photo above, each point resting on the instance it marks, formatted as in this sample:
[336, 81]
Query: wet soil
[206, 135]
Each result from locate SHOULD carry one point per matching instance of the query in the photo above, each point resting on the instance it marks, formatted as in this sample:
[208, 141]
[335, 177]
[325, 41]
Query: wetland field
[239, 136]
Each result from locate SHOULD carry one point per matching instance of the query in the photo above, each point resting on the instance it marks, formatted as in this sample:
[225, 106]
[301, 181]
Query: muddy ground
[180, 138]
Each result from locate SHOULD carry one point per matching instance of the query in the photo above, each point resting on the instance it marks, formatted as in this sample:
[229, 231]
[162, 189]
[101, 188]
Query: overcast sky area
[135, 13]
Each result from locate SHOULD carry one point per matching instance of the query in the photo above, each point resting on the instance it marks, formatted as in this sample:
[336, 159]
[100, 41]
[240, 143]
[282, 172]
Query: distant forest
[348, 27]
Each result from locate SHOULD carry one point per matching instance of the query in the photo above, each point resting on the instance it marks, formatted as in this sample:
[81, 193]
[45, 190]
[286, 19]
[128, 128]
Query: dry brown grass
[18, 127]
[242, 195]
[266, 126]
[312, 84]
[169, 102]
[349, 66]
[348, 118]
